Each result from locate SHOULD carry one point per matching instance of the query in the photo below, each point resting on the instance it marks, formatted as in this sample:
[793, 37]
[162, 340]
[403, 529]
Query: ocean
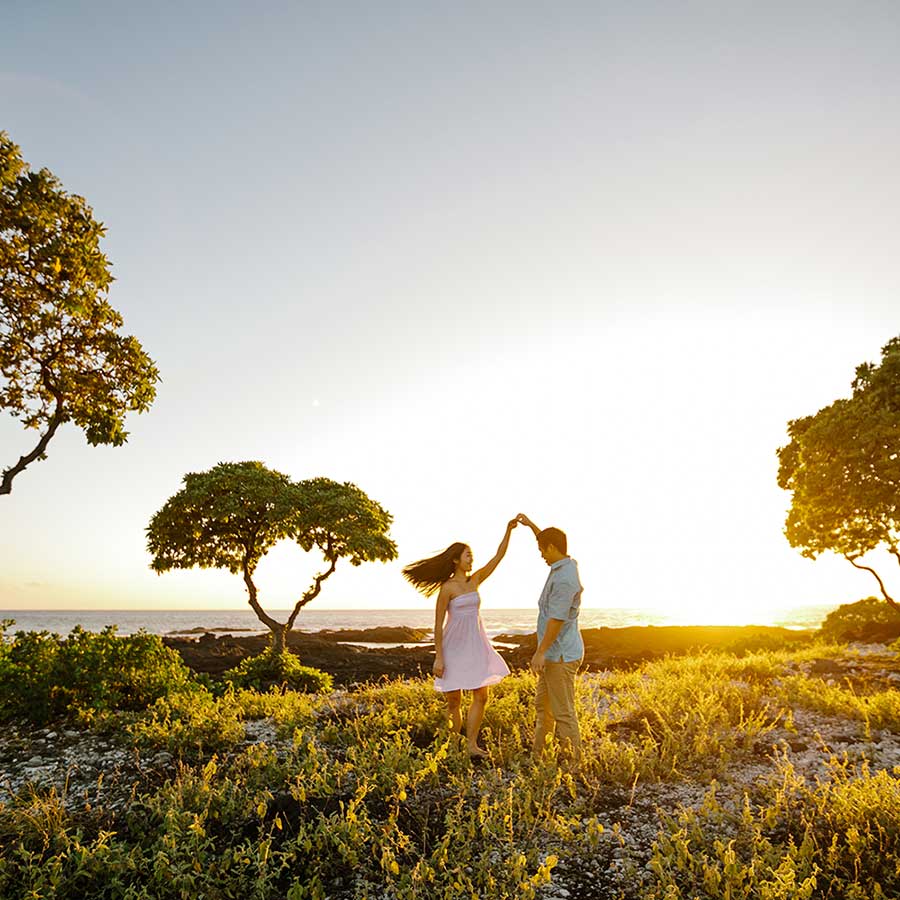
[243, 621]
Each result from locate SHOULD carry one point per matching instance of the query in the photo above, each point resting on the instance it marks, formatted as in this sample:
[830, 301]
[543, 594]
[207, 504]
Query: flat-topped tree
[62, 357]
[843, 469]
[232, 515]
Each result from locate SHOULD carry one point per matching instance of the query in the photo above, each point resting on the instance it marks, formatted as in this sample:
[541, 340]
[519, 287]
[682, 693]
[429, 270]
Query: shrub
[190, 724]
[44, 676]
[281, 670]
[866, 620]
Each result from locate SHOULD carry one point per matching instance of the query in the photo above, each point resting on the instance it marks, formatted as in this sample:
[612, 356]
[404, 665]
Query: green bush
[280, 670]
[44, 676]
[190, 724]
[866, 620]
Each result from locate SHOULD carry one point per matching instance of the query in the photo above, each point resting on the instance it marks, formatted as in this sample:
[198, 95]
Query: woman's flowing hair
[427, 575]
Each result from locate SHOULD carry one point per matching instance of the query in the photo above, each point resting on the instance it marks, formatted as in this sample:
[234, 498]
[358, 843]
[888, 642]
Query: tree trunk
[279, 639]
[37, 453]
[278, 630]
[891, 601]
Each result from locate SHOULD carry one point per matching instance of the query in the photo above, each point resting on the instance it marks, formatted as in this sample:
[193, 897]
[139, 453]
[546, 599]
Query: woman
[463, 656]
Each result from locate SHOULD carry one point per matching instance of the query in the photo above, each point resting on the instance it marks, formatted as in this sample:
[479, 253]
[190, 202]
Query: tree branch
[38, 452]
[884, 593]
[313, 592]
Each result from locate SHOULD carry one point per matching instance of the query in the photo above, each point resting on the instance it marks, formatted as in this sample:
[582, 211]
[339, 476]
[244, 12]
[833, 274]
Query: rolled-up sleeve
[561, 599]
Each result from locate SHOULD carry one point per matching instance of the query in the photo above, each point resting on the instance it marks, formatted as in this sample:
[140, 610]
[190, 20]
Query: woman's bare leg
[473, 720]
[453, 701]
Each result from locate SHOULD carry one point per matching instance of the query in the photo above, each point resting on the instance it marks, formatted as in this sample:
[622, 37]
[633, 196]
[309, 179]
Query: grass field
[765, 775]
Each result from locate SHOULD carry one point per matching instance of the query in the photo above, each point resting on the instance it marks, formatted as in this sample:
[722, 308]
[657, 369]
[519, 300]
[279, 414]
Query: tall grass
[368, 794]
[835, 838]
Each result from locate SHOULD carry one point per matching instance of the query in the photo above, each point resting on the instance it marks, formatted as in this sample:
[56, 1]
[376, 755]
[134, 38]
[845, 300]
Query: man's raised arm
[526, 521]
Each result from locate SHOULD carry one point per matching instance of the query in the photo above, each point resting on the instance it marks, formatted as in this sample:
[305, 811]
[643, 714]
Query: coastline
[352, 656]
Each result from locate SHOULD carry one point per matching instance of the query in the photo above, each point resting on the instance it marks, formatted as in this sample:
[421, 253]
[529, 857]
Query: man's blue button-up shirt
[561, 599]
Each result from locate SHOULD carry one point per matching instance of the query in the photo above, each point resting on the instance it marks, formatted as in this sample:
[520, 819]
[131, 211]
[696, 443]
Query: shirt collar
[560, 563]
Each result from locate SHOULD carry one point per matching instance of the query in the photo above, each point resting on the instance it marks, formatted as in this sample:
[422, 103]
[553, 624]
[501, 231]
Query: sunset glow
[472, 289]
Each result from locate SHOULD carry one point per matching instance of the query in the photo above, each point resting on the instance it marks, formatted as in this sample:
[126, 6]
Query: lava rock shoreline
[347, 663]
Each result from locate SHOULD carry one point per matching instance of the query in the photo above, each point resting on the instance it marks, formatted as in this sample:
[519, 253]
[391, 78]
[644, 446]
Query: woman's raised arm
[485, 571]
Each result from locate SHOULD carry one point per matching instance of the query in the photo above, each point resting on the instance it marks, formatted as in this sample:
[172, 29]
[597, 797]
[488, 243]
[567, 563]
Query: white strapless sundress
[469, 659]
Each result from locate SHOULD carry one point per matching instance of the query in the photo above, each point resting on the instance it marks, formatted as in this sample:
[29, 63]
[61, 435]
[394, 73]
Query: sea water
[243, 621]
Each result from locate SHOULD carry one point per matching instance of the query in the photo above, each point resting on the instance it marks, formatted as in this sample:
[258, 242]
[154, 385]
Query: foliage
[767, 641]
[226, 518]
[683, 717]
[835, 840]
[368, 794]
[386, 815]
[190, 723]
[278, 670]
[195, 723]
[44, 676]
[62, 357]
[866, 620]
[877, 710]
[842, 469]
[230, 516]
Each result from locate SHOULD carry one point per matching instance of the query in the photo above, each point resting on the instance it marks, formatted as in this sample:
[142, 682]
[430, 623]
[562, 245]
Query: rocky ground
[215, 654]
[87, 768]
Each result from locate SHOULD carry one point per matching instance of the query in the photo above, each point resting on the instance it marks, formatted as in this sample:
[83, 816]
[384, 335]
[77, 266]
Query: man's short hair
[553, 536]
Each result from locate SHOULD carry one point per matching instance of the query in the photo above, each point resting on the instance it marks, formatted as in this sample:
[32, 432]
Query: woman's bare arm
[440, 613]
[484, 572]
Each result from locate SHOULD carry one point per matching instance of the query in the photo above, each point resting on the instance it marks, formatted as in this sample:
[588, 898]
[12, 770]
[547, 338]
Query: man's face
[548, 553]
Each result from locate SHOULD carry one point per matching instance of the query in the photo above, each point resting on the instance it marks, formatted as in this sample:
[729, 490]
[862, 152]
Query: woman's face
[465, 560]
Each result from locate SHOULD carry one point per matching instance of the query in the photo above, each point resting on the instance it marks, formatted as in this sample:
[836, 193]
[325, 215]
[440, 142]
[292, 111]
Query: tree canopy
[62, 357]
[230, 516]
[842, 466]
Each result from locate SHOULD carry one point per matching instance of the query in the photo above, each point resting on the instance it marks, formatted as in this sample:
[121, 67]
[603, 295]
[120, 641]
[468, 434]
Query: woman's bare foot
[477, 753]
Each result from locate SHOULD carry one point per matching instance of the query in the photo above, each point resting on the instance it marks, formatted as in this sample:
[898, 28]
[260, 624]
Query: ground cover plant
[364, 793]
[834, 838]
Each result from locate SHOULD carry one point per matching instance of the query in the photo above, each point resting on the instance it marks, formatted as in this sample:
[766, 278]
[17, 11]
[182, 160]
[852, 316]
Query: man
[560, 648]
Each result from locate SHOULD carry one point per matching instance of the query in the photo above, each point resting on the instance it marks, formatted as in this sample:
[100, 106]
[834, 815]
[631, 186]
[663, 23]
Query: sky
[582, 261]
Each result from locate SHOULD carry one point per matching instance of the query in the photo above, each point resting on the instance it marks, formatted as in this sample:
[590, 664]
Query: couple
[464, 657]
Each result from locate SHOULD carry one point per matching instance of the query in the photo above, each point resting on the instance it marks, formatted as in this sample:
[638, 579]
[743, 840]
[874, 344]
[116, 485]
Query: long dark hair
[427, 575]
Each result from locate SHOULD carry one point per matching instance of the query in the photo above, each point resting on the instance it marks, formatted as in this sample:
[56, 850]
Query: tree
[842, 466]
[62, 357]
[232, 515]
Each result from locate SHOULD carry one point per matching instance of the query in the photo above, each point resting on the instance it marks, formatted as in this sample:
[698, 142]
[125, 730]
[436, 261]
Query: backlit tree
[232, 515]
[842, 467]
[62, 357]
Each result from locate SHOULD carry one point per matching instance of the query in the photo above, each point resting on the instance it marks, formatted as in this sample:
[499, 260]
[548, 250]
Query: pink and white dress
[469, 659]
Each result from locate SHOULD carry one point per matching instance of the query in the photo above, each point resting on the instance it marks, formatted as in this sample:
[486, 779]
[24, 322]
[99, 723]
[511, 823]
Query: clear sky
[579, 260]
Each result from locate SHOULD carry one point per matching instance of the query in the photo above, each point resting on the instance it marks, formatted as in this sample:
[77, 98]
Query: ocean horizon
[496, 621]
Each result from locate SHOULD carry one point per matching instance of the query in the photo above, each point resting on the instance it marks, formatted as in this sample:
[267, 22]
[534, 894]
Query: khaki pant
[555, 704]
